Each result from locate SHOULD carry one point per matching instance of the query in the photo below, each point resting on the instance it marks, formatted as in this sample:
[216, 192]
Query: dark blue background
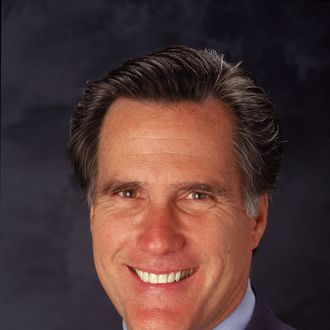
[49, 50]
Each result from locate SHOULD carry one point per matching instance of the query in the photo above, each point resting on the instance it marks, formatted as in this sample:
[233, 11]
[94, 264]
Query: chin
[158, 320]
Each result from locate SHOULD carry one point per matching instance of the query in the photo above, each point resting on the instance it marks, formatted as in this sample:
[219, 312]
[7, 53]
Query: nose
[160, 232]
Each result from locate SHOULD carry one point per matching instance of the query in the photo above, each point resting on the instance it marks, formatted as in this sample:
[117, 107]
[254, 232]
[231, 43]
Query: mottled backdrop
[50, 48]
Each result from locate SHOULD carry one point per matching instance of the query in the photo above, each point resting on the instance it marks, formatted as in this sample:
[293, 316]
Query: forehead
[210, 117]
[186, 138]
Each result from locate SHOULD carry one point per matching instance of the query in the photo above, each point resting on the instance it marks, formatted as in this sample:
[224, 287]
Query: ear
[91, 217]
[259, 222]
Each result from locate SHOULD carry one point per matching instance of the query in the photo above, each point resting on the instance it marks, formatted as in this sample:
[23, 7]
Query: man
[177, 153]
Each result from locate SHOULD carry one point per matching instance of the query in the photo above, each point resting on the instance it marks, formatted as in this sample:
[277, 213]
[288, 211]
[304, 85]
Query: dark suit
[263, 318]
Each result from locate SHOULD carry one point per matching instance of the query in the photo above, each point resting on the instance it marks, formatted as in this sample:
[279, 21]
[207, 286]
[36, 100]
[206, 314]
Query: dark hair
[175, 74]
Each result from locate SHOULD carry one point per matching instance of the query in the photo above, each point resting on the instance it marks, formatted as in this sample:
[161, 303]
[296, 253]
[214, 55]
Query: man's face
[168, 208]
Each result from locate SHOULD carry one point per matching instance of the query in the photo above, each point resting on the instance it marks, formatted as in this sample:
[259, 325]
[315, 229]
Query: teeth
[153, 278]
[144, 277]
[170, 278]
[163, 278]
[177, 276]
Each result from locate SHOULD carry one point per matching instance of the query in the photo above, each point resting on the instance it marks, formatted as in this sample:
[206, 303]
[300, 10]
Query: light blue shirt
[239, 317]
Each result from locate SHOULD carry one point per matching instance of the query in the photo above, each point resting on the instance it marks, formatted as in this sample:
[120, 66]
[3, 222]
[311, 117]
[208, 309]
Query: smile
[163, 278]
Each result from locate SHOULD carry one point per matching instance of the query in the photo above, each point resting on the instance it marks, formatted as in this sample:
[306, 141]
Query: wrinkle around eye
[121, 198]
[195, 205]
[212, 209]
[112, 208]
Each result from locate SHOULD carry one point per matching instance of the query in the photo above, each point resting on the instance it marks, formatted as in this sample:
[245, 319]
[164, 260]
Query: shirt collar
[241, 315]
[239, 318]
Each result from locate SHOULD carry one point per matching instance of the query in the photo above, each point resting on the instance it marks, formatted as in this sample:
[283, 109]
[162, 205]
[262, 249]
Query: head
[165, 140]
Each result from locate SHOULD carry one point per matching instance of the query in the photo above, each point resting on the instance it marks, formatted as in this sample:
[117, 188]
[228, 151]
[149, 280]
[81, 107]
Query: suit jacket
[263, 318]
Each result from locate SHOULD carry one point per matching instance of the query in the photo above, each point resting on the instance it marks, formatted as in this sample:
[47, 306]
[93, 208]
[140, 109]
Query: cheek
[109, 225]
[226, 234]
[108, 236]
[238, 246]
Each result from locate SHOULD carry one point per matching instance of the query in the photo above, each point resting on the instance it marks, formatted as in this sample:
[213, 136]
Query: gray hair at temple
[177, 74]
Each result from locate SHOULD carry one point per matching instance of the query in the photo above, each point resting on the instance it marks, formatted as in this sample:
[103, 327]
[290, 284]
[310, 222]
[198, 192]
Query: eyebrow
[118, 185]
[213, 188]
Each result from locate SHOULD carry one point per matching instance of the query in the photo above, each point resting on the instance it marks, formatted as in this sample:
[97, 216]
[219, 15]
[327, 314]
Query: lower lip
[160, 286]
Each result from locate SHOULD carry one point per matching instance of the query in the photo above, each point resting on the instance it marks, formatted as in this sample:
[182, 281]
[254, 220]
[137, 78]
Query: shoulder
[263, 318]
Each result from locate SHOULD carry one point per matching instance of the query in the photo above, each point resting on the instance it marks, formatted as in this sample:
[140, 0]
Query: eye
[197, 195]
[129, 193]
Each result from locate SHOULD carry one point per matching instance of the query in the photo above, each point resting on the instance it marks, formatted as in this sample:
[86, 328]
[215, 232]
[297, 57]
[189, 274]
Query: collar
[241, 315]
